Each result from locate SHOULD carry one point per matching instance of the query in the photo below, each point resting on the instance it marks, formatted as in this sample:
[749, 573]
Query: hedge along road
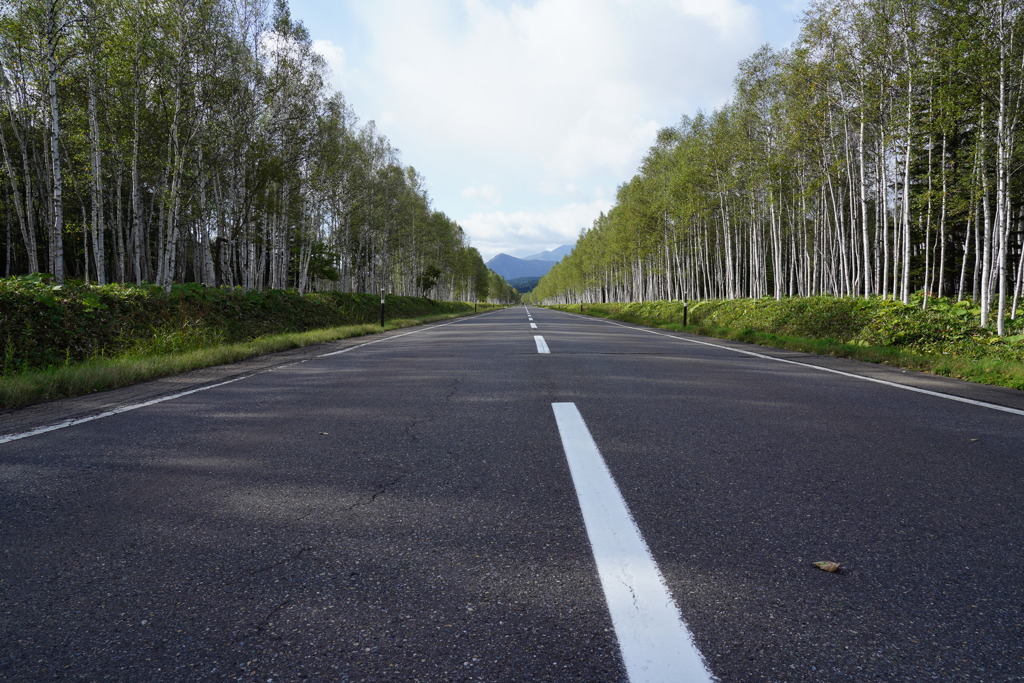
[409, 510]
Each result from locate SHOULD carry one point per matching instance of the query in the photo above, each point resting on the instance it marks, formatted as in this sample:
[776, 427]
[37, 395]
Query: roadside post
[382, 307]
[686, 306]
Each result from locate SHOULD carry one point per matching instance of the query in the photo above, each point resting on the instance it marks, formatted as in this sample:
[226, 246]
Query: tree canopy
[198, 141]
[877, 156]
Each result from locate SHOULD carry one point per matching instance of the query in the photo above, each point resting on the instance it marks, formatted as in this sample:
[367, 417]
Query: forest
[878, 156]
[198, 141]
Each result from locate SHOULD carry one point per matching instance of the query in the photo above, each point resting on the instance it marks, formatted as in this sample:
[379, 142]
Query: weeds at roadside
[102, 374]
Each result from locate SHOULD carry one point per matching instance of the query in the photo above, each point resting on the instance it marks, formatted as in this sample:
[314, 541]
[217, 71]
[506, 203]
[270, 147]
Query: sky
[525, 116]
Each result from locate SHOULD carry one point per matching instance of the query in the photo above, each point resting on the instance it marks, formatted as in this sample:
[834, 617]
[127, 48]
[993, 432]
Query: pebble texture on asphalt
[404, 512]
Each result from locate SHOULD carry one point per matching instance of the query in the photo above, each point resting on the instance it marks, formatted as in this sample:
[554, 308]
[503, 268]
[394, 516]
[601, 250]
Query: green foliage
[499, 291]
[867, 158]
[43, 325]
[428, 279]
[524, 285]
[101, 374]
[943, 327]
[209, 134]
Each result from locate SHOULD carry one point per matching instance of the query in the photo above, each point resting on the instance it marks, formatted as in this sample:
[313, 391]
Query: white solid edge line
[7, 438]
[897, 385]
[404, 334]
[542, 346]
[655, 643]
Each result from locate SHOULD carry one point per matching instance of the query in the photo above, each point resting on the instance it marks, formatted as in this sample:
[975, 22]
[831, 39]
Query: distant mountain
[510, 267]
[556, 254]
[536, 266]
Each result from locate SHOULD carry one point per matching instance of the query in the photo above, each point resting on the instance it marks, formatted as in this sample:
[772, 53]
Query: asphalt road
[404, 510]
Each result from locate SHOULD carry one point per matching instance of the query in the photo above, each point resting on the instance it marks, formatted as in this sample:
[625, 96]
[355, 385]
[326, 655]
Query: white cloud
[600, 139]
[486, 193]
[728, 16]
[542, 105]
[522, 80]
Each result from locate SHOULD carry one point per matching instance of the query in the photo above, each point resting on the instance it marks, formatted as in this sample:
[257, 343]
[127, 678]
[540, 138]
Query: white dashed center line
[542, 346]
[655, 643]
[533, 326]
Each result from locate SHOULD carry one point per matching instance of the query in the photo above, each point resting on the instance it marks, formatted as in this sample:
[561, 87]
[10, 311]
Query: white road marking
[7, 438]
[897, 385]
[542, 346]
[655, 643]
[404, 334]
[359, 346]
[533, 326]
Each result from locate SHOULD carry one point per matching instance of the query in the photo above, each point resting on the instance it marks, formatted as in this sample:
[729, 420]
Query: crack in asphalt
[381, 490]
[291, 558]
[453, 388]
[408, 429]
[266, 620]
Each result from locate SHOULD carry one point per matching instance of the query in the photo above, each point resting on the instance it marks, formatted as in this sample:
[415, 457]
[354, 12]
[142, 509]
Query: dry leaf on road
[828, 566]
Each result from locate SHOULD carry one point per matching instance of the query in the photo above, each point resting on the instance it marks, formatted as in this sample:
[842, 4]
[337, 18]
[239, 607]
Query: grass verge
[102, 374]
[989, 369]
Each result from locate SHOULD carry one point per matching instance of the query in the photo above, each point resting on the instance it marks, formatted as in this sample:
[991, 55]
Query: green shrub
[43, 325]
[942, 327]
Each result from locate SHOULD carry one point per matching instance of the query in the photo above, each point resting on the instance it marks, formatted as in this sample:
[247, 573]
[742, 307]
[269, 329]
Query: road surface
[520, 495]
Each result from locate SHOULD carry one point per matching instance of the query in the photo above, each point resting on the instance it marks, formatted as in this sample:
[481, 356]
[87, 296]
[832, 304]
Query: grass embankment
[61, 341]
[943, 339]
